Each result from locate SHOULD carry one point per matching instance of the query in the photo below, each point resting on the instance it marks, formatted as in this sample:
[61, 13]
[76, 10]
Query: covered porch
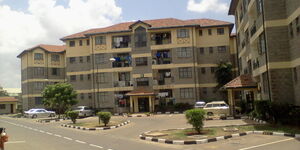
[141, 101]
[243, 83]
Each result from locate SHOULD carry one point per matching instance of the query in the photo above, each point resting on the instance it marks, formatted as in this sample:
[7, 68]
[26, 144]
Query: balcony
[164, 77]
[121, 60]
[123, 83]
[121, 41]
[162, 57]
[161, 38]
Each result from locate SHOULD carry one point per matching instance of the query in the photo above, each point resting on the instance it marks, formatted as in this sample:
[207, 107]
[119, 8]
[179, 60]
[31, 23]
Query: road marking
[68, 138]
[267, 144]
[49, 133]
[57, 135]
[42, 131]
[95, 146]
[80, 142]
[14, 142]
[109, 149]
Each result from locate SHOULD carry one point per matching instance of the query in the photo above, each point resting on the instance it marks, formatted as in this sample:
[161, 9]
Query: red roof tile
[242, 81]
[8, 99]
[157, 23]
[48, 48]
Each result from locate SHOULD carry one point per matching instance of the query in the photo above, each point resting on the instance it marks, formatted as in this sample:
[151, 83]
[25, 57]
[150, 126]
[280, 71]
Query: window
[81, 77]
[185, 72]
[38, 71]
[121, 41]
[212, 69]
[259, 6]
[261, 44]
[211, 50]
[81, 59]
[221, 49]
[204, 90]
[55, 71]
[80, 42]
[88, 42]
[182, 33]
[209, 32]
[200, 32]
[54, 57]
[140, 37]
[38, 56]
[88, 59]
[100, 40]
[73, 78]
[203, 70]
[201, 50]
[186, 93]
[295, 74]
[220, 31]
[184, 52]
[90, 95]
[142, 81]
[82, 96]
[72, 60]
[72, 43]
[141, 61]
[99, 58]
[38, 100]
[102, 96]
[38, 85]
[2, 106]
[89, 77]
[101, 78]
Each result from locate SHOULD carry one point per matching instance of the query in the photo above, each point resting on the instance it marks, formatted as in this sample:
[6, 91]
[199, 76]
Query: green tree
[195, 117]
[73, 115]
[223, 73]
[104, 117]
[60, 97]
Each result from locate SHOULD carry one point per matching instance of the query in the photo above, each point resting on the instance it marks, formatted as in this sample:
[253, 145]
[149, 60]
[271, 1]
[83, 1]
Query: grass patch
[191, 134]
[96, 124]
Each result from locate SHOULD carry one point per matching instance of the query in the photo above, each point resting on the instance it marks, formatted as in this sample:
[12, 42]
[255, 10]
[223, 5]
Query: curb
[94, 129]
[258, 120]
[48, 121]
[202, 141]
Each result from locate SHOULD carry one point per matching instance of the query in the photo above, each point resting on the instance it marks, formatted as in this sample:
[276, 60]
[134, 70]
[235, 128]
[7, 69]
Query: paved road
[28, 135]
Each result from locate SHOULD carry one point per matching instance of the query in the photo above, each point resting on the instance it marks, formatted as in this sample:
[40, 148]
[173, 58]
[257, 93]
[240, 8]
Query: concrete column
[136, 104]
[131, 104]
[150, 104]
[231, 101]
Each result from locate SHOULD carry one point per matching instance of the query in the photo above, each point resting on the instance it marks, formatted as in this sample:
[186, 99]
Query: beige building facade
[139, 66]
[268, 37]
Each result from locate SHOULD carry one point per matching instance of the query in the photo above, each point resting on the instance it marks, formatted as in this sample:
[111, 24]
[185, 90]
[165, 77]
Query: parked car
[84, 111]
[199, 104]
[217, 108]
[38, 112]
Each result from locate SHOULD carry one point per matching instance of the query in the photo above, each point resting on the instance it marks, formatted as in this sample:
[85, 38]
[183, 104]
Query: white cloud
[218, 6]
[45, 22]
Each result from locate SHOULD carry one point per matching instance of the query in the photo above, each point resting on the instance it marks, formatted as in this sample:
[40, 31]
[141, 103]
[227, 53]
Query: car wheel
[34, 116]
[210, 114]
[51, 115]
[84, 115]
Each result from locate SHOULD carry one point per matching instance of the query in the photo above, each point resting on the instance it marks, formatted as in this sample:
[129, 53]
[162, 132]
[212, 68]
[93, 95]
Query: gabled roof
[45, 47]
[232, 7]
[8, 99]
[153, 24]
[242, 81]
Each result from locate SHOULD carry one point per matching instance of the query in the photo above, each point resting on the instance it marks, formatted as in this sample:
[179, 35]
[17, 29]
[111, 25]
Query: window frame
[220, 31]
[186, 93]
[141, 61]
[72, 43]
[184, 52]
[100, 40]
[185, 72]
[183, 33]
[38, 56]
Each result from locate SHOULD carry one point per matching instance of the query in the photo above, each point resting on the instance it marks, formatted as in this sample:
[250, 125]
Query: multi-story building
[40, 65]
[268, 37]
[134, 66]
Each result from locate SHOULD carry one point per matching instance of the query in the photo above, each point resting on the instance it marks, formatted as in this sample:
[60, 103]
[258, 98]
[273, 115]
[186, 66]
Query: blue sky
[26, 23]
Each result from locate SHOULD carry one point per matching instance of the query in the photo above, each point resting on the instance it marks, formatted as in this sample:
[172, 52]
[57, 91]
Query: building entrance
[143, 104]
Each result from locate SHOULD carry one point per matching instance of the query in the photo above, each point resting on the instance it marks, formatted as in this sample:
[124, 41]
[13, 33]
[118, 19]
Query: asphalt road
[28, 135]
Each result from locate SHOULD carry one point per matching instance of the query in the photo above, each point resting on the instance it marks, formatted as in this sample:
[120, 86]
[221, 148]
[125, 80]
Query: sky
[27, 23]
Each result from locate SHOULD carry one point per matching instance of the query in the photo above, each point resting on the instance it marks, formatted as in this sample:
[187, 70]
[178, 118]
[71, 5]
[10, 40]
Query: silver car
[84, 111]
[39, 112]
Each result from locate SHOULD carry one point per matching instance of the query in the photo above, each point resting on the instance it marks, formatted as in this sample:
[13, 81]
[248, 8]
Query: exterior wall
[7, 109]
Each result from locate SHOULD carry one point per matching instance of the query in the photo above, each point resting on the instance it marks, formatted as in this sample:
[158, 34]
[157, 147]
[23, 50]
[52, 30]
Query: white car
[83, 111]
[38, 112]
[199, 104]
[217, 108]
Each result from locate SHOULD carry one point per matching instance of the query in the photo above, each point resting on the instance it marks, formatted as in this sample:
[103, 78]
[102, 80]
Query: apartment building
[137, 66]
[268, 38]
[40, 65]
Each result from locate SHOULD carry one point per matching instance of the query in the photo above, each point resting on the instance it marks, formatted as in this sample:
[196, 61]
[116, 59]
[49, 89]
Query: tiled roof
[157, 23]
[242, 81]
[140, 92]
[8, 99]
[48, 48]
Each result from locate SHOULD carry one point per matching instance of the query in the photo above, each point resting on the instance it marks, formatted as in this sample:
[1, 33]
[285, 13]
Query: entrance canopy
[141, 100]
[140, 92]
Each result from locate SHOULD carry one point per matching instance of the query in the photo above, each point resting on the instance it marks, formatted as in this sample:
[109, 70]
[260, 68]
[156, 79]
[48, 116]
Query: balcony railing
[123, 83]
[161, 38]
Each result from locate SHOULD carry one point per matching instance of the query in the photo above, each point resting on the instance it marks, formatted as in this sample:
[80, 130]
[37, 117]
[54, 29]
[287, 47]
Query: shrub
[182, 106]
[104, 117]
[73, 115]
[262, 109]
[195, 117]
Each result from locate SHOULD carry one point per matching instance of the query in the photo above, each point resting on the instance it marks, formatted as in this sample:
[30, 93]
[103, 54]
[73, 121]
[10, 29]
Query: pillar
[136, 104]
[150, 104]
[131, 104]
[231, 101]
